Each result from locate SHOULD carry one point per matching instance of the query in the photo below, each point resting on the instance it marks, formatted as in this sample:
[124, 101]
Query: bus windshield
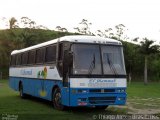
[112, 58]
[93, 59]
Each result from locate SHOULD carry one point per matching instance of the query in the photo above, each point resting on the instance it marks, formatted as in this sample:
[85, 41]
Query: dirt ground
[142, 106]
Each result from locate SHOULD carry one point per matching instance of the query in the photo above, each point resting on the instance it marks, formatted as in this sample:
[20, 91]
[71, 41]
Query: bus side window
[13, 60]
[24, 58]
[40, 55]
[18, 59]
[50, 55]
[31, 57]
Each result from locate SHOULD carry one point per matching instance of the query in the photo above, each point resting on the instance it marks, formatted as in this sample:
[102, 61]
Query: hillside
[17, 38]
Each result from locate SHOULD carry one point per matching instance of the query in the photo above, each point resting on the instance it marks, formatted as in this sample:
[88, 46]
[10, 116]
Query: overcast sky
[141, 17]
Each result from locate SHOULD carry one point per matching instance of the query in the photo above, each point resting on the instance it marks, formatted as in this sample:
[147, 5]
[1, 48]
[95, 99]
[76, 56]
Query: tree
[109, 33]
[155, 68]
[84, 27]
[120, 30]
[58, 28]
[12, 22]
[32, 24]
[135, 39]
[61, 29]
[100, 33]
[147, 48]
[26, 22]
[29, 23]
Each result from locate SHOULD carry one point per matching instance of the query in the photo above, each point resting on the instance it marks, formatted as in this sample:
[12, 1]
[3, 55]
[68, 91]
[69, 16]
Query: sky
[141, 17]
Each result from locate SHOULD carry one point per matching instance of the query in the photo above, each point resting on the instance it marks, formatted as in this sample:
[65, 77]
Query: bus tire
[56, 99]
[21, 93]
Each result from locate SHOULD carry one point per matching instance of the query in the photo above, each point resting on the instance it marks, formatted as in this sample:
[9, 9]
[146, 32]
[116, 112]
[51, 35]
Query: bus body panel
[33, 86]
[96, 91]
[37, 72]
[66, 96]
[97, 82]
[39, 79]
[70, 96]
[34, 79]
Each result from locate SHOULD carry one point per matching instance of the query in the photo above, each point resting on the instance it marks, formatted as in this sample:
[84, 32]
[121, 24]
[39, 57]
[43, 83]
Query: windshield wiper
[112, 67]
[92, 65]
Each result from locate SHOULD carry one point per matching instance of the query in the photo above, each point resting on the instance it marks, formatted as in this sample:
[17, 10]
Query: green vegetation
[137, 89]
[18, 38]
[140, 97]
[26, 32]
[143, 99]
[33, 108]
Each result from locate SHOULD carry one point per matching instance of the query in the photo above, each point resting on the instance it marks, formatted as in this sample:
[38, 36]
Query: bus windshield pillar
[67, 61]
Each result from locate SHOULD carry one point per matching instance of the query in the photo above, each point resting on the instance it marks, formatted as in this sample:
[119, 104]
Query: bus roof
[72, 38]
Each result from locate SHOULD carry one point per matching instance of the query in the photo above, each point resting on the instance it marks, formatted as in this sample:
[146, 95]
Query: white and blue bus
[71, 71]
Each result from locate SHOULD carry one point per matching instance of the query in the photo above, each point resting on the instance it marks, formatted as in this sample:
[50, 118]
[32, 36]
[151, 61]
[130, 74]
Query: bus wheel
[57, 100]
[101, 107]
[22, 95]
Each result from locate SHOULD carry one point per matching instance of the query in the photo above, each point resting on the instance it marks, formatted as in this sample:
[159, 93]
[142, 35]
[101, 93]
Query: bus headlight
[82, 91]
[74, 91]
[82, 99]
[121, 90]
[120, 98]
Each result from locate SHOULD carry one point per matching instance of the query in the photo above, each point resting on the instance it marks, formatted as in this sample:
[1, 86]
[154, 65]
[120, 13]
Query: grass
[33, 108]
[144, 96]
[138, 89]
[142, 99]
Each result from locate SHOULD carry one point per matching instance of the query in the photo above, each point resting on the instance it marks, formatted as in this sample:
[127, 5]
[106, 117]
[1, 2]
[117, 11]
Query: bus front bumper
[97, 99]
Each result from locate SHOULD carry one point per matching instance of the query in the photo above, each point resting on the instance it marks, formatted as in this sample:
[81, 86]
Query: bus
[71, 71]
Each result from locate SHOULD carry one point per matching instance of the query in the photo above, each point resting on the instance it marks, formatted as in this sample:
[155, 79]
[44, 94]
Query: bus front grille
[102, 100]
[102, 90]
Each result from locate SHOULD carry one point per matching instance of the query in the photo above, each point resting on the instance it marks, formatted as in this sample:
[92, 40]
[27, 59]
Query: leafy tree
[155, 67]
[12, 22]
[100, 33]
[147, 48]
[84, 27]
[25, 21]
[61, 29]
[135, 39]
[32, 24]
[28, 23]
[120, 30]
[109, 33]
[58, 28]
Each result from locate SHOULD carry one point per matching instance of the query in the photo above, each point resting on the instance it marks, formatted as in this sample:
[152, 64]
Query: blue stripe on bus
[32, 87]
